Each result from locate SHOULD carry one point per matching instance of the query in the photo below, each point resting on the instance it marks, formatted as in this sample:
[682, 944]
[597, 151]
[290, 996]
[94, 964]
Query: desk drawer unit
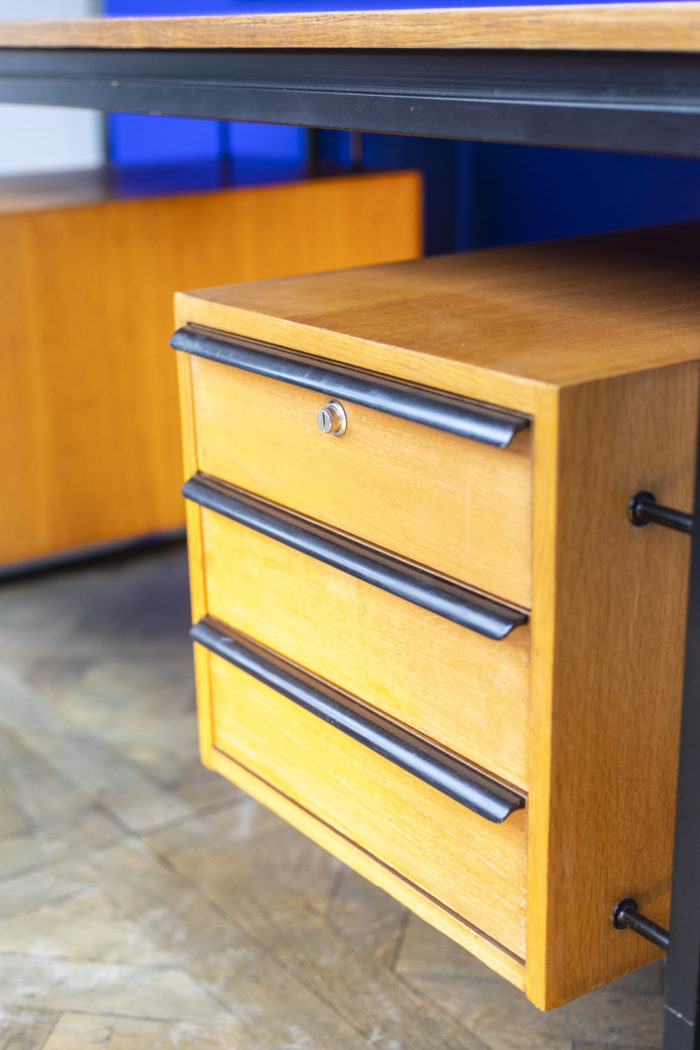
[427, 632]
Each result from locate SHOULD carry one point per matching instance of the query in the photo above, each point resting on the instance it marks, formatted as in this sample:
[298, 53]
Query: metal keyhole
[332, 419]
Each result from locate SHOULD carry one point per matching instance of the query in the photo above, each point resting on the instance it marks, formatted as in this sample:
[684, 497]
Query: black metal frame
[682, 1018]
[636, 102]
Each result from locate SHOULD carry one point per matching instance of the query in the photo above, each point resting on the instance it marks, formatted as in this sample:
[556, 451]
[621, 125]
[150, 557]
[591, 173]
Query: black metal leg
[682, 1022]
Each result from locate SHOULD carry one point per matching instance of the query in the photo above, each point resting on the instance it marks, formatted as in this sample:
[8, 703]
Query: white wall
[49, 138]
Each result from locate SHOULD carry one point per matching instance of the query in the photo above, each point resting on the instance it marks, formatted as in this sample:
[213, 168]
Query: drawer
[439, 491]
[451, 683]
[474, 866]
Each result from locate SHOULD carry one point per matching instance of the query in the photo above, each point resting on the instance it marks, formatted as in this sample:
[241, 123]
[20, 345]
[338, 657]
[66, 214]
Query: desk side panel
[608, 626]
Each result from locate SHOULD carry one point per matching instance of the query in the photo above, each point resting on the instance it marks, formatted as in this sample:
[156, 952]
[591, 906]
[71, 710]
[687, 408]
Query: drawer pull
[457, 415]
[453, 601]
[450, 775]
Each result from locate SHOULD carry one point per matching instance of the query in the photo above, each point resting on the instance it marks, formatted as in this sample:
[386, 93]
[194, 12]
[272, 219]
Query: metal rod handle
[643, 510]
[626, 916]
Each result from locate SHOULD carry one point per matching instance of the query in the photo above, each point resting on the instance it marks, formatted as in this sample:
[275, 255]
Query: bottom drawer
[473, 867]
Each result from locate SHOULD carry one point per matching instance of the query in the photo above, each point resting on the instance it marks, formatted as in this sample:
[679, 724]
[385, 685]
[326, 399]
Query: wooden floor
[147, 904]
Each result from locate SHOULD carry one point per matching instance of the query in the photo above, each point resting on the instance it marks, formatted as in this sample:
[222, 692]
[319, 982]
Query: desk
[623, 77]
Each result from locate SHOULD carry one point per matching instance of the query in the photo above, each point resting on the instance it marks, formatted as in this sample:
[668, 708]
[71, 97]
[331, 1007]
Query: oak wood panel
[493, 324]
[608, 602]
[494, 955]
[475, 868]
[636, 26]
[465, 511]
[608, 637]
[466, 692]
[89, 420]
[195, 556]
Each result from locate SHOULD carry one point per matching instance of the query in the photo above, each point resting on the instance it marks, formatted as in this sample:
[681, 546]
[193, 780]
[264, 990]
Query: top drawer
[438, 479]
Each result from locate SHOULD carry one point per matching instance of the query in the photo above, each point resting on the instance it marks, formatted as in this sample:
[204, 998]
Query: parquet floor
[146, 904]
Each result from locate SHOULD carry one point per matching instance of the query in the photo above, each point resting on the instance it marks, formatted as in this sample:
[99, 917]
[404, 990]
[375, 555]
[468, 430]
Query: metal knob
[332, 419]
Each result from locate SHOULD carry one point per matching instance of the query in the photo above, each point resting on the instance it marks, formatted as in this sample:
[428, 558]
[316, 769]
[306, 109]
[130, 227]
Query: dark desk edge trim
[642, 102]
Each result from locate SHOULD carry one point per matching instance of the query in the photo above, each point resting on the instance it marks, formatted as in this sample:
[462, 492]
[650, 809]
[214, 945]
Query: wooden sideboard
[89, 268]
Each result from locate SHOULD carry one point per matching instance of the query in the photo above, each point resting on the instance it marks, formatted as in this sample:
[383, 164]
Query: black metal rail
[682, 1019]
[637, 102]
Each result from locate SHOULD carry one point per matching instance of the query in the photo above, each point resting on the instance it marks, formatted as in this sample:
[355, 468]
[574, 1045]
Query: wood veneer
[89, 421]
[467, 692]
[660, 26]
[597, 339]
[467, 513]
[437, 844]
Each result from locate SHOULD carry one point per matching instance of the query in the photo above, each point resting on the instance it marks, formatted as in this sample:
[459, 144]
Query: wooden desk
[622, 77]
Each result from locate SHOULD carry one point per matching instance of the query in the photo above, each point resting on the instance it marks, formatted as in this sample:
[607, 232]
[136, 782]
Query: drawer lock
[332, 419]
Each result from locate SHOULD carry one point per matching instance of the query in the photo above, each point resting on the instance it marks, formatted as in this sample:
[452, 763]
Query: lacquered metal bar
[447, 774]
[461, 416]
[644, 510]
[463, 606]
[682, 1016]
[615, 100]
[627, 916]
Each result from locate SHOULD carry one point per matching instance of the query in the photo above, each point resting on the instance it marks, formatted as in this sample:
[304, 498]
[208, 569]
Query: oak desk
[619, 76]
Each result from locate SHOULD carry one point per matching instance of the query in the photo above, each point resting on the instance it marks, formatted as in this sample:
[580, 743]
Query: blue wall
[476, 194]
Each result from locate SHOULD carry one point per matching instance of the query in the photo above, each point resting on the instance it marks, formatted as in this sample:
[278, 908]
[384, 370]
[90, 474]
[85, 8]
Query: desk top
[495, 321]
[662, 26]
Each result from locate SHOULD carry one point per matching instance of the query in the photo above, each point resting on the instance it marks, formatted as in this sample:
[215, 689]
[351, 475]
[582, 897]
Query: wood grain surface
[493, 954]
[634, 27]
[89, 420]
[465, 513]
[466, 692]
[152, 904]
[452, 854]
[608, 629]
[597, 339]
[493, 325]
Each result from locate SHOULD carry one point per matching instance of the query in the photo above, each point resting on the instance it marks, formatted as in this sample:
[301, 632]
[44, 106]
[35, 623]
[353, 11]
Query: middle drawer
[466, 692]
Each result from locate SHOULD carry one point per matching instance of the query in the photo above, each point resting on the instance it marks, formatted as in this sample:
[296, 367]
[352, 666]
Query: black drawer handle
[451, 600]
[447, 774]
[457, 415]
